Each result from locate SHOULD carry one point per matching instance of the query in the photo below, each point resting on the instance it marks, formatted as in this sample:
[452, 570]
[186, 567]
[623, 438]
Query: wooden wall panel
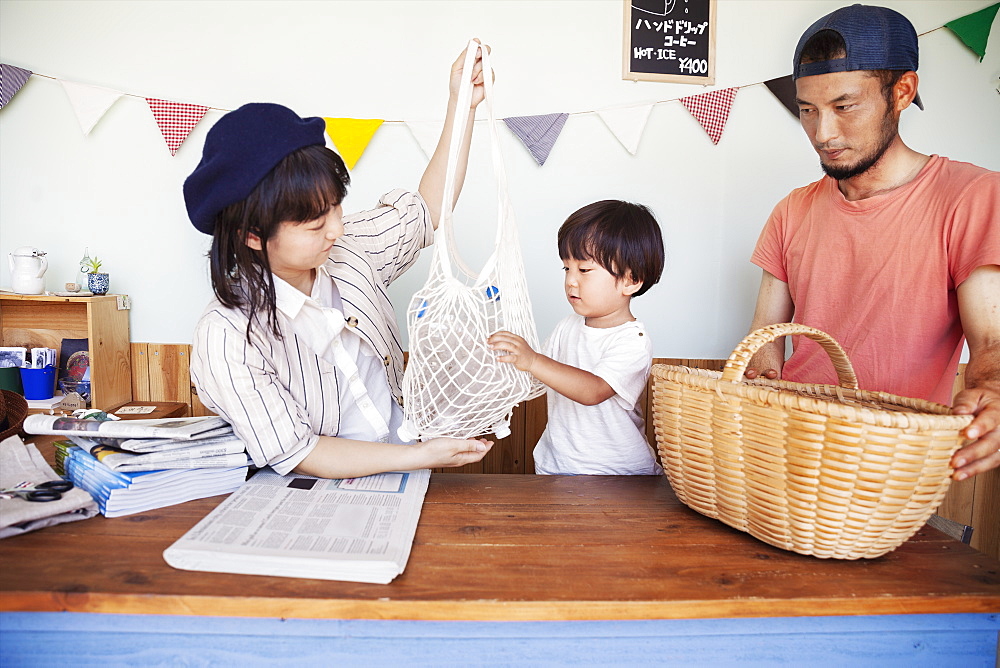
[986, 513]
[536, 415]
[958, 502]
[110, 357]
[198, 408]
[169, 377]
[140, 372]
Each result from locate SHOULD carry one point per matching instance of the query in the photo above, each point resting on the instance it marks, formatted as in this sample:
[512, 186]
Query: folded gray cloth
[21, 462]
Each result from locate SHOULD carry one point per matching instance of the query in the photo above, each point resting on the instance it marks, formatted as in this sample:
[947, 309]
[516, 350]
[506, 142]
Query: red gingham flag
[176, 120]
[711, 110]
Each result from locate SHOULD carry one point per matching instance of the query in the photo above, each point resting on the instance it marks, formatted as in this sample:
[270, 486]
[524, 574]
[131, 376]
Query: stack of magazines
[131, 466]
[149, 445]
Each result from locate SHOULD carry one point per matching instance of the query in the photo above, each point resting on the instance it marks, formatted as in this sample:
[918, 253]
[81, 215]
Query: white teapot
[27, 269]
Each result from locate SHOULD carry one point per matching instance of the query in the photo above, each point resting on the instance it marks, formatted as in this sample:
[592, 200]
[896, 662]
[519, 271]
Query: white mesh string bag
[453, 384]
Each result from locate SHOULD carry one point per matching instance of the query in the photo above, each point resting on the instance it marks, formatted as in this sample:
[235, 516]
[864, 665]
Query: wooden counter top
[508, 547]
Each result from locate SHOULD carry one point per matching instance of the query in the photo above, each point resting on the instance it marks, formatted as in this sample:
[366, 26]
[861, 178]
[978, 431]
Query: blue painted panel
[29, 639]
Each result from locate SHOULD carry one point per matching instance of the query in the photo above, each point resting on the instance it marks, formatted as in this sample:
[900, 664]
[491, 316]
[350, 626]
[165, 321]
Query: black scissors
[50, 490]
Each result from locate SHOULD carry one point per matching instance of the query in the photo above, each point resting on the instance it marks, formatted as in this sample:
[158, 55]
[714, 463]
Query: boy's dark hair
[622, 237]
[830, 45]
[302, 187]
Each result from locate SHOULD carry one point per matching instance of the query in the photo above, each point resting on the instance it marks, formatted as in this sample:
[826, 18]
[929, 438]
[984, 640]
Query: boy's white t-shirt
[609, 438]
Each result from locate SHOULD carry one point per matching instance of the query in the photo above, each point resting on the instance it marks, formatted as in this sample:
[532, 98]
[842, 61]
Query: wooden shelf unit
[44, 321]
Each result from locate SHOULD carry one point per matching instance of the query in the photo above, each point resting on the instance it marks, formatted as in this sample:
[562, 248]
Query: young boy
[597, 360]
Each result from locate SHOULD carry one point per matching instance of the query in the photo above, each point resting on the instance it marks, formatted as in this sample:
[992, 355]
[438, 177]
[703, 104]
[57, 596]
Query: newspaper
[354, 529]
[213, 436]
[169, 428]
[21, 462]
[210, 453]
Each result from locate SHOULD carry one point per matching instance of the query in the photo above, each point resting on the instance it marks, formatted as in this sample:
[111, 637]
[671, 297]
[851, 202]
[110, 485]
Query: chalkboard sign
[669, 40]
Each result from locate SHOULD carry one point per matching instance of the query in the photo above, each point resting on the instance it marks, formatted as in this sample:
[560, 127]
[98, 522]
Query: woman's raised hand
[476, 76]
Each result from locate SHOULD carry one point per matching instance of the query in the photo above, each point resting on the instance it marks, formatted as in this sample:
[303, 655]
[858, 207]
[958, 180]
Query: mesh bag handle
[737, 363]
[445, 249]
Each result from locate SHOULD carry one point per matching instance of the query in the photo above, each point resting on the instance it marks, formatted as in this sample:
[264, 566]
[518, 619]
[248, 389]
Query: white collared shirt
[366, 404]
[281, 395]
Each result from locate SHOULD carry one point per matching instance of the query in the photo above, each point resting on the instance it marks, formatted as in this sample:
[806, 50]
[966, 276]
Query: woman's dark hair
[829, 45]
[300, 188]
[622, 237]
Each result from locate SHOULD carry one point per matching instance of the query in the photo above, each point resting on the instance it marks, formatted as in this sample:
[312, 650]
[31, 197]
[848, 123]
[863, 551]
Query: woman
[300, 350]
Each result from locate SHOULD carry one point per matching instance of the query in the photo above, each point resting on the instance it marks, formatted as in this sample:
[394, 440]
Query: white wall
[118, 191]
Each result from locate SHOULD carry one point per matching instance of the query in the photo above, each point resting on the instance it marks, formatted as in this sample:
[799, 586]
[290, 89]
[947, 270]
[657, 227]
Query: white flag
[627, 123]
[89, 102]
[427, 134]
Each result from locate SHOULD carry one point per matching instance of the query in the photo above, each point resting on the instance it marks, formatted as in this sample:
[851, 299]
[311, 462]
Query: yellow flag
[351, 136]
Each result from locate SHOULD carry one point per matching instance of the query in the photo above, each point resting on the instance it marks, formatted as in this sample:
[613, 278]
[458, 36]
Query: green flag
[974, 29]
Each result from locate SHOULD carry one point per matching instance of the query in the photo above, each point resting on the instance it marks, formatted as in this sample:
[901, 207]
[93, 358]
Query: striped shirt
[281, 396]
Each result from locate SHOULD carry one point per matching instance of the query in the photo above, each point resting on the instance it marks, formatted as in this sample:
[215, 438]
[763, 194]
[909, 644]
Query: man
[894, 253]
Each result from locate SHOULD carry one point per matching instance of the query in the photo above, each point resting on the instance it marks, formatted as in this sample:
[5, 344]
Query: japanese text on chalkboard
[669, 40]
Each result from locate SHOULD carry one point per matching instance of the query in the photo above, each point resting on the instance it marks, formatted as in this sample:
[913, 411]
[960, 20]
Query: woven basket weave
[824, 470]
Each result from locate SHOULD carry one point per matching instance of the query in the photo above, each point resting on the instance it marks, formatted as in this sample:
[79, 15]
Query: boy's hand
[517, 350]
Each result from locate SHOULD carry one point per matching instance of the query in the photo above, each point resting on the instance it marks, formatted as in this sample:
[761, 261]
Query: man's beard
[889, 132]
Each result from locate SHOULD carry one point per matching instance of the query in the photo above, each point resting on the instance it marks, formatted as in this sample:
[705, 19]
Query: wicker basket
[817, 469]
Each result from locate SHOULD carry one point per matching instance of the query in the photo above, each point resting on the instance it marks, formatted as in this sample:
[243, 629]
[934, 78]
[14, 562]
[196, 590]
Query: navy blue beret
[240, 149]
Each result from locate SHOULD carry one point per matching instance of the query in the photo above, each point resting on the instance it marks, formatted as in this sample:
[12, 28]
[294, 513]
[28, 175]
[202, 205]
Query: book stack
[119, 494]
[137, 465]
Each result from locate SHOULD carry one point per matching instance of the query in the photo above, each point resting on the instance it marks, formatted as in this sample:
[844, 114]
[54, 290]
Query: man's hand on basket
[983, 453]
[979, 308]
[767, 362]
[770, 374]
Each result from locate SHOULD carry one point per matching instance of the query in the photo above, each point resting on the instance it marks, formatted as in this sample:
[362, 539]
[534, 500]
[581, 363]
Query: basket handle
[737, 363]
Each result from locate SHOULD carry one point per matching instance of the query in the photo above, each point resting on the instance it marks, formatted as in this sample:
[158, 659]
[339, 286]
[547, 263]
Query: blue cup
[39, 383]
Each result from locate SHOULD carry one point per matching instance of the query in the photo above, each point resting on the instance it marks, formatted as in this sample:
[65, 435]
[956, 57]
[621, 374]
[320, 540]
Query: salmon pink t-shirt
[879, 274]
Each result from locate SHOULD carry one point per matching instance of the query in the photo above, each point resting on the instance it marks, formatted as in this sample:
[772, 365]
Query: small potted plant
[97, 281]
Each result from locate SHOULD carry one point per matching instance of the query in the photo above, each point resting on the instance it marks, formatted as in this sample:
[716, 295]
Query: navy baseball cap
[240, 150]
[875, 38]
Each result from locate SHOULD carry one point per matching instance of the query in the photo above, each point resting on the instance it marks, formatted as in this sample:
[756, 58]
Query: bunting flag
[11, 80]
[974, 28]
[627, 124]
[89, 102]
[176, 120]
[427, 134]
[537, 133]
[711, 110]
[783, 88]
[351, 136]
